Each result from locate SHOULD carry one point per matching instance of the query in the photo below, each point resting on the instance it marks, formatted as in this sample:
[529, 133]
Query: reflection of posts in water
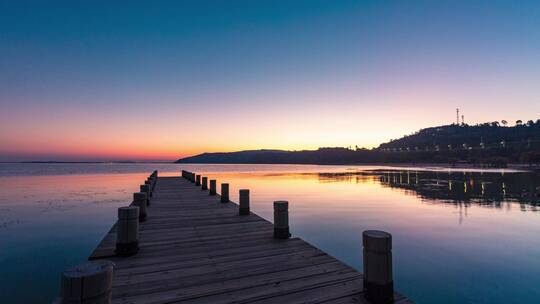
[469, 187]
[483, 188]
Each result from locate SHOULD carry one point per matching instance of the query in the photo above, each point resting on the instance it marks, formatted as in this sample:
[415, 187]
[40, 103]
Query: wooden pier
[195, 249]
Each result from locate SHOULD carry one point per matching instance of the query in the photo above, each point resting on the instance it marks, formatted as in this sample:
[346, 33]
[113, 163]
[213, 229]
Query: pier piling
[87, 283]
[204, 183]
[146, 189]
[149, 183]
[127, 235]
[244, 202]
[213, 187]
[140, 200]
[224, 193]
[378, 282]
[281, 220]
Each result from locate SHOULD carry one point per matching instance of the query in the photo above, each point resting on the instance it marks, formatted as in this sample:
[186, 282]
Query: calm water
[459, 237]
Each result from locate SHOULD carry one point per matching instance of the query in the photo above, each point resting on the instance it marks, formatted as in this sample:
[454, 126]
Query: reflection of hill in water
[480, 188]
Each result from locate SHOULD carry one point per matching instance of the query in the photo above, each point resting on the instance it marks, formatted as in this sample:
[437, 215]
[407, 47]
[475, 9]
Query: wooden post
[378, 282]
[192, 177]
[197, 180]
[281, 220]
[140, 200]
[153, 182]
[127, 231]
[87, 283]
[224, 192]
[204, 183]
[145, 188]
[213, 187]
[149, 183]
[244, 202]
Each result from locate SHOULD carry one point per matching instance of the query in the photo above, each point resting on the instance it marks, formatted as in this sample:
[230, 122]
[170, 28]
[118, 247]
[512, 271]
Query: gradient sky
[100, 81]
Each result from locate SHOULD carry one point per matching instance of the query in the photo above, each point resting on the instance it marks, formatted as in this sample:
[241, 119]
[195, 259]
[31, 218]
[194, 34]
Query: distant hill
[252, 156]
[320, 156]
[487, 144]
[487, 135]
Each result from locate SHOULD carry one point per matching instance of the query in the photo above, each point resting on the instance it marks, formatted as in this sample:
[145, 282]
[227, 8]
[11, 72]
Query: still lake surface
[459, 236]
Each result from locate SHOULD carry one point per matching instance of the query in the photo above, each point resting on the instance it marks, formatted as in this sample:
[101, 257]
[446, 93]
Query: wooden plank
[195, 249]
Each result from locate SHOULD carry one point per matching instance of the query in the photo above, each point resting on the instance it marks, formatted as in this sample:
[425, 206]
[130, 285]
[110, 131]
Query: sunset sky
[100, 81]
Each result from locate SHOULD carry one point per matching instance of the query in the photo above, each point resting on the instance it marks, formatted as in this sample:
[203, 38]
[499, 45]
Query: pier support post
[153, 182]
[378, 282]
[244, 202]
[197, 180]
[213, 187]
[127, 231]
[87, 283]
[140, 200]
[224, 193]
[146, 189]
[204, 183]
[149, 183]
[281, 220]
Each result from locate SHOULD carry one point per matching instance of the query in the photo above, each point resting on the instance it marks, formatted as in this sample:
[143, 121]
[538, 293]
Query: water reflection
[50, 219]
[497, 190]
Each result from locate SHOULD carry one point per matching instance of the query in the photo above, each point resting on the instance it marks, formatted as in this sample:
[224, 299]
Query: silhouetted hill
[320, 156]
[488, 144]
[488, 135]
[253, 156]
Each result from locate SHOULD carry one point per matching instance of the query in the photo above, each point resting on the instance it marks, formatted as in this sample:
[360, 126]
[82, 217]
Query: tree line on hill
[490, 144]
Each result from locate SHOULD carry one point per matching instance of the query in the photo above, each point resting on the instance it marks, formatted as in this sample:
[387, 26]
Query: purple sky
[88, 81]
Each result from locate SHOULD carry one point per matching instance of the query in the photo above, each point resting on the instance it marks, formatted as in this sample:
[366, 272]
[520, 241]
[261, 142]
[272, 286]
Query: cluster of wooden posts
[92, 282]
[281, 208]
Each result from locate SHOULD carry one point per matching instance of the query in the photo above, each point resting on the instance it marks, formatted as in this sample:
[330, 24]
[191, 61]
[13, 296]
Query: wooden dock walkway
[194, 249]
